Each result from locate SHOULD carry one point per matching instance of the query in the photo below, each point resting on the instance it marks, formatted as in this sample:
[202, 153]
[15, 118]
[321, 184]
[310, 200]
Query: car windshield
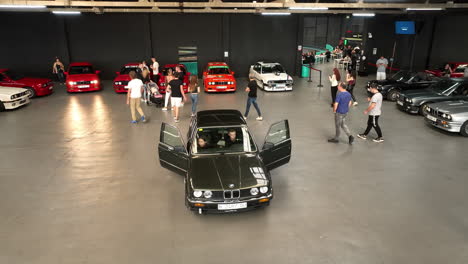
[164, 71]
[214, 140]
[443, 86]
[219, 70]
[81, 70]
[461, 68]
[128, 69]
[13, 75]
[272, 69]
[401, 76]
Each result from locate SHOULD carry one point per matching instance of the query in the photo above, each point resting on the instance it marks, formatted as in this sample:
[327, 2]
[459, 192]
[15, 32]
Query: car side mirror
[268, 145]
[118, 73]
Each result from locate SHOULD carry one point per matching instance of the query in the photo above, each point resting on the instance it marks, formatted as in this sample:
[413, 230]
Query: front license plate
[431, 118]
[221, 87]
[83, 86]
[232, 206]
[400, 103]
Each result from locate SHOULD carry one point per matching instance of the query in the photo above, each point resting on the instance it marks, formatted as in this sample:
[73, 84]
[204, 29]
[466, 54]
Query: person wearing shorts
[177, 95]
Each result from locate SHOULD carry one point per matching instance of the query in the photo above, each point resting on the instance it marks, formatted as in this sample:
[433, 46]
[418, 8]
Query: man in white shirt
[135, 89]
[381, 68]
[155, 68]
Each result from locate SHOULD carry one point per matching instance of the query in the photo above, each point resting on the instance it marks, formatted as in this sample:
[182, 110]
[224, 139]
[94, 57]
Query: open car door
[276, 150]
[172, 152]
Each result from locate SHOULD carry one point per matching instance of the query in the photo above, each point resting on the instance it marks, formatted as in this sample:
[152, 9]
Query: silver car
[451, 116]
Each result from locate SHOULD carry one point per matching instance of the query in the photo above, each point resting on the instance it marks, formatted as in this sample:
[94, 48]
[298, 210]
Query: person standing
[135, 88]
[194, 90]
[341, 109]
[155, 68]
[374, 111]
[381, 68]
[58, 69]
[328, 55]
[351, 80]
[447, 70]
[167, 95]
[465, 72]
[252, 88]
[177, 95]
[334, 79]
[145, 78]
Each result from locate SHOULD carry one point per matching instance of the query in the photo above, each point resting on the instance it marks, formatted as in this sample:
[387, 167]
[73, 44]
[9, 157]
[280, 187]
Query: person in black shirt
[231, 138]
[328, 55]
[252, 98]
[181, 73]
[177, 94]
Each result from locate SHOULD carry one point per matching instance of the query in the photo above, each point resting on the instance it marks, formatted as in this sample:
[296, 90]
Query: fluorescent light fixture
[424, 9]
[308, 8]
[364, 14]
[275, 14]
[22, 6]
[66, 12]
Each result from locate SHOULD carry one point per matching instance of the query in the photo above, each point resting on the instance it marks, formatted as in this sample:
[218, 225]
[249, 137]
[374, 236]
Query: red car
[81, 77]
[36, 86]
[458, 69]
[219, 78]
[163, 73]
[122, 78]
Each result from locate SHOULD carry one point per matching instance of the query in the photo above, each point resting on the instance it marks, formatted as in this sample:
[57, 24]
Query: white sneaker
[259, 118]
[164, 109]
[355, 103]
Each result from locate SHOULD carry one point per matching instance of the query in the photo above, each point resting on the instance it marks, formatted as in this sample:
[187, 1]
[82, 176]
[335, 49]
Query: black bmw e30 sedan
[224, 169]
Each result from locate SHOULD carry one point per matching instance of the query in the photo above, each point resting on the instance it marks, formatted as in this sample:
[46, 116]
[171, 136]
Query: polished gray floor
[80, 184]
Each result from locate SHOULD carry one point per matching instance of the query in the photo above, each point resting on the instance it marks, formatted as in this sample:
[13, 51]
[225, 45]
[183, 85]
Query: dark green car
[414, 101]
[224, 169]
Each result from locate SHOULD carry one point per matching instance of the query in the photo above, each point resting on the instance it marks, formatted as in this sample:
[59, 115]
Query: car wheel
[2, 107]
[392, 95]
[464, 129]
[31, 91]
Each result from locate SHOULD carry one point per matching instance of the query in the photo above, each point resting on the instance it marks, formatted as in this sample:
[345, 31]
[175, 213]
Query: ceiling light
[364, 14]
[308, 8]
[22, 6]
[275, 14]
[66, 12]
[424, 9]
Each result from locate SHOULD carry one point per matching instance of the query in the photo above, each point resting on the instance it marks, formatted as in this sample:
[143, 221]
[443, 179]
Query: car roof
[225, 117]
[267, 63]
[173, 65]
[80, 64]
[217, 64]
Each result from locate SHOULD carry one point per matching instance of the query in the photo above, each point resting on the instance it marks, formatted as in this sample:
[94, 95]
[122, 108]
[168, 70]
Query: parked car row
[442, 101]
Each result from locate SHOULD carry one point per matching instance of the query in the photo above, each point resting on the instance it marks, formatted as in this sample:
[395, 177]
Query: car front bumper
[220, 88]
[449, 126]
[276, 88]
[89, 88]
[45, 90]
[212, 206]
[407, 107]
[16, 103]
[120, 88]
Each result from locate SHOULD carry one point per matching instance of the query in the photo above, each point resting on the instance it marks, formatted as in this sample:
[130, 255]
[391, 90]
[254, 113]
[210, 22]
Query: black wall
[320, 30]
[32, 40]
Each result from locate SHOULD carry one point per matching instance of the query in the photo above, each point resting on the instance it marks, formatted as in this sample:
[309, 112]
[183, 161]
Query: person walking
[341, 109]
[155, 68]
[381, 68]
[135, 88]
[334, 79]
[351, 80]
[194, 90]
[167, 96]
[58, 69]
[252, 88]
[177, 95]
[374, 111]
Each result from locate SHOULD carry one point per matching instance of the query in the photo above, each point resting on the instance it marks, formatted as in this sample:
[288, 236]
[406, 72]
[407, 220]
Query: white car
[11, 98]
[271, 76]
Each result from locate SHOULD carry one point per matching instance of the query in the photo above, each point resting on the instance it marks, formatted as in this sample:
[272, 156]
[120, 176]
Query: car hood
[82, 77]
[10, 91]
[383, 82]
[122, 77]
[274, 77]
[215, 77]
[218, 172]
[424, 93]
[451, 107]
[28, 81]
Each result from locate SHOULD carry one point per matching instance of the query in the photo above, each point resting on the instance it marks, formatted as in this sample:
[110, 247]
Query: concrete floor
[80, 184]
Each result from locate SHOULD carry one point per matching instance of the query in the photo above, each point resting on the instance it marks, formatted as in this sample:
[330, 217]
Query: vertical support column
[226, 37]
[299, 42]
[67, 40]
[150, 29]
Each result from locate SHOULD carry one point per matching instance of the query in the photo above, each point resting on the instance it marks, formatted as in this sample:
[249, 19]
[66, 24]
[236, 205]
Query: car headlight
[289, 81]
[13, 97]
[270, 82]
[44, 85]
[72, 83]
[197, 193]
[117, 83]
[409, 100]
[446, 116]
[263, 189]
[254, 191]
[207, 194]
[94, 81]
[184, 84]
[163, 84]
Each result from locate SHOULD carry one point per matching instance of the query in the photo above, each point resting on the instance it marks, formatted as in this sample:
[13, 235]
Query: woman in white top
[334, 79]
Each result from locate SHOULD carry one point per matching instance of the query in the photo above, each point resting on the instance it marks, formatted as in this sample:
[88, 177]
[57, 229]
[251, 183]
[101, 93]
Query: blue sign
[404, 27]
